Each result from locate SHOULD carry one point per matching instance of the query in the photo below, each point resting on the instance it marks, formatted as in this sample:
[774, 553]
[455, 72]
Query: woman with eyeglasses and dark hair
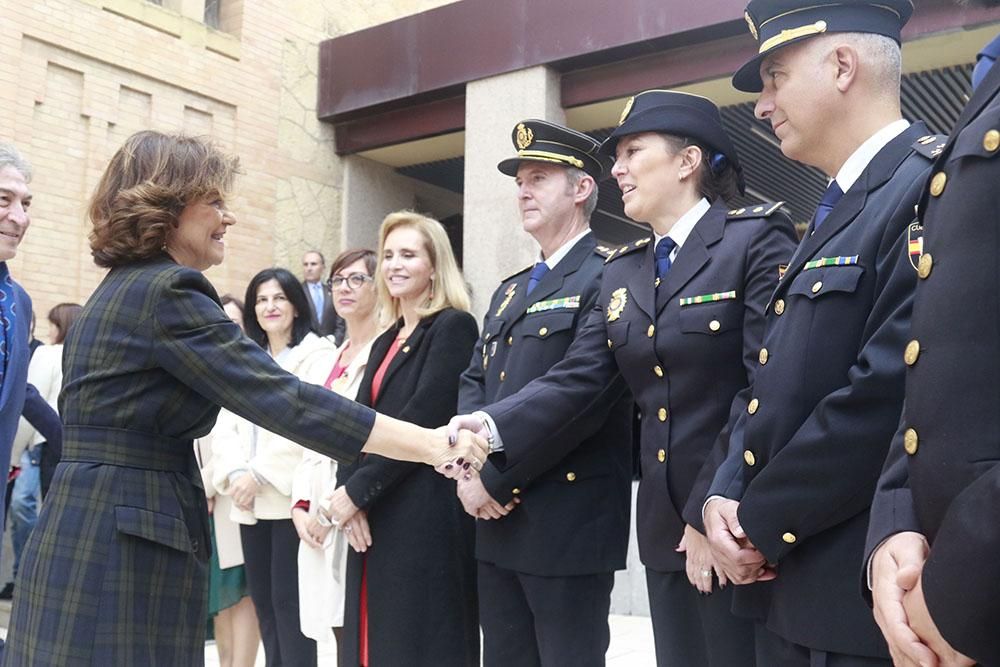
[323, 550]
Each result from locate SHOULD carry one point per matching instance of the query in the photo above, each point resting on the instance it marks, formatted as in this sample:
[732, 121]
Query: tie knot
[539, 270]
[664, 247]
[832, 195]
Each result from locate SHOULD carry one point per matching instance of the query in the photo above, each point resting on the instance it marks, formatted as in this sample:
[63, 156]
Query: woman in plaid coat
[115, 572]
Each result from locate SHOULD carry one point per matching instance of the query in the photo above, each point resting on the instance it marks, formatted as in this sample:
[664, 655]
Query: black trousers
[694, 629]
[532, 621]
[270, 552]
[775, 650]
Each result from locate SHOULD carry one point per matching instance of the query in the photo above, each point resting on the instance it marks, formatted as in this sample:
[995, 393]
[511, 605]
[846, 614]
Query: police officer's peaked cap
[542, 141]
[679, 114]
[778, 23]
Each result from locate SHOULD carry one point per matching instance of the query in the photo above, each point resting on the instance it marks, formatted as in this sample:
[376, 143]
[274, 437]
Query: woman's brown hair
[62, 316]
[147, 184]
[348, 257]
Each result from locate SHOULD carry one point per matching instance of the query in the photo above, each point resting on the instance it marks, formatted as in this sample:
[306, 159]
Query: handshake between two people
[476, 499]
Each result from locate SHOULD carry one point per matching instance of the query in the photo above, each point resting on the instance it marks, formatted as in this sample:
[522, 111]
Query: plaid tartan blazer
[115, 572]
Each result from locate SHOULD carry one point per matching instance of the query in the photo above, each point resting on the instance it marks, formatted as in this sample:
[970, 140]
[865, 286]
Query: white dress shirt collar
[858, 162]
[563, 250]
[684, 225]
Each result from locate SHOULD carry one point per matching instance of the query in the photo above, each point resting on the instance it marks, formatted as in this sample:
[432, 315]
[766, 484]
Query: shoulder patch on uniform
[761, 210]
[930, 145]
[626, 249]
[517, 273]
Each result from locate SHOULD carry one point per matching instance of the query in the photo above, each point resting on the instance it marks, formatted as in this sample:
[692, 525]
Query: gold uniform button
[779, 306]
[510, 340]
[650, 330]
[817, 286]
[503, 375]
[910, 441]
[610, 344]
[749, 458]
[938, 182]
[543, 331]
[571, 477]
[486, 337]
[516, 491]
[925, 265]
[406, 349]
[912, 352]
[789, 538]
[662, 414]
[661, 455]
[753, 405]
[991, 141]
[715, 325]
[658, 371]
[763, 356]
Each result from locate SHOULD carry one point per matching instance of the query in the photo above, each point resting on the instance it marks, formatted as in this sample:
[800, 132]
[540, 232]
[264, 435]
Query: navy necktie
[830, 198]
[662, 254]
[537, 273]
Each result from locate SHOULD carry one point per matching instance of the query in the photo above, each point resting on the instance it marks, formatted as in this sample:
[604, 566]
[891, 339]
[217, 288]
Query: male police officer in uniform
[934, 529]
[546, 570]
[797, 486]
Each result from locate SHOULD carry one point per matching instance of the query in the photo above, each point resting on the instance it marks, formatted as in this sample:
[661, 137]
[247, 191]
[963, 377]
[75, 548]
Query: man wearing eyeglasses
[547, 567]
[325, 320]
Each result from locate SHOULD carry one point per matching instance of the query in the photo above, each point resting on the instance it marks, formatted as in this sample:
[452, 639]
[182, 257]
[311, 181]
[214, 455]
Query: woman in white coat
[323, 550]
[254, 467]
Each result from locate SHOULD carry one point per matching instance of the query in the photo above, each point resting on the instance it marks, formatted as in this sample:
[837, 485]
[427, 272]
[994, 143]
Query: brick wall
[78, 76]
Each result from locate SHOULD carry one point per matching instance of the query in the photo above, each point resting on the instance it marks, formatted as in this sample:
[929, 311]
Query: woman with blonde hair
[322, 550]
[411, 585]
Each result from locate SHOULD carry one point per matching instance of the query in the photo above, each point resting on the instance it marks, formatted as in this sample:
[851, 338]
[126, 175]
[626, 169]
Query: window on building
[212, 13]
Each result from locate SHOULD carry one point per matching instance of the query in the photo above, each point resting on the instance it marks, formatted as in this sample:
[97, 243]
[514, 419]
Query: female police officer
[681, 318]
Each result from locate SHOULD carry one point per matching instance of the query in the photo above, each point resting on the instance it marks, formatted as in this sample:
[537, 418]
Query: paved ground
[631, 643]
[631, 646]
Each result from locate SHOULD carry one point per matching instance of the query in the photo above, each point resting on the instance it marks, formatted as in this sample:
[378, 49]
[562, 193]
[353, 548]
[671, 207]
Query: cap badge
[628, 107]
[750, 24]
[524, 136]
[617, 304]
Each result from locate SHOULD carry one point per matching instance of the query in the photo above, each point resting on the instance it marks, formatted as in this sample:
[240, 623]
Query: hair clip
[718, 163]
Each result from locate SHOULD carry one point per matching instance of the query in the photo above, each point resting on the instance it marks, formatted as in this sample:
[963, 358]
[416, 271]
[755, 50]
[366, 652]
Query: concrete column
[495, 245]
[373, 190]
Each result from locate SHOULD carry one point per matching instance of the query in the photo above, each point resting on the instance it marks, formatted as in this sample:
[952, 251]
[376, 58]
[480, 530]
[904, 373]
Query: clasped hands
[900, 608]
[343, 515]
[733, 552]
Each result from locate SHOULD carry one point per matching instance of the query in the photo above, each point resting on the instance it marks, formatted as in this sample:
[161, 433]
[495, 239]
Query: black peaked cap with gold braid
[778, 23]
[542, 141]
[680, 114]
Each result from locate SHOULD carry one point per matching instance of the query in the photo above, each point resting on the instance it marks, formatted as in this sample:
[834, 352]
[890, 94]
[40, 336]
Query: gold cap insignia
[750, 24]
[524, 136]
[617, 304]
[628, 107]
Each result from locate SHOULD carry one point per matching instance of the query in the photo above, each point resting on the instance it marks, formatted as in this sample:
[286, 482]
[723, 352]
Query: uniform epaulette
[761, 210]
[614, 253]
[931, 145]
[518, 272]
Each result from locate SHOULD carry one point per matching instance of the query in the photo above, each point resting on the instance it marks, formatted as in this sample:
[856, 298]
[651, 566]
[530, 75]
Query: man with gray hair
[546, 567]
[15, 306]
[791, 503]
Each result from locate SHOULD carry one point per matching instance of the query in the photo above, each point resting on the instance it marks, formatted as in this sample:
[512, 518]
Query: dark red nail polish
[460, 461]
[448, 466]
